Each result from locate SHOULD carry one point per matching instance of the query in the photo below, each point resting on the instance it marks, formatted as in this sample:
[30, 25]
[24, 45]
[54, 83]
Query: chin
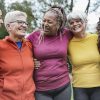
[21, 35]
[77, 31]
[46, 33]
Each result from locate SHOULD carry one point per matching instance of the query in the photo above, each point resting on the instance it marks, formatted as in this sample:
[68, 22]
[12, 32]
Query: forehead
[22, 18]
[50, 14]
[75, 19]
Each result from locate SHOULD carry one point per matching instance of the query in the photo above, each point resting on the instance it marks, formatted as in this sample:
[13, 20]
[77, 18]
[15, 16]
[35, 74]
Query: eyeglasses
[20, 22]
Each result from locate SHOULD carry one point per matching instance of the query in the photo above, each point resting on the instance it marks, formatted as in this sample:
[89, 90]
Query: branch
[71, 6]
[87, 8]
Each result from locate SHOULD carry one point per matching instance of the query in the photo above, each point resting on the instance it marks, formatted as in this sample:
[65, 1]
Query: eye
[50, 22]
[78, 21]
[71, 23]
[47, 21]
[22, 22]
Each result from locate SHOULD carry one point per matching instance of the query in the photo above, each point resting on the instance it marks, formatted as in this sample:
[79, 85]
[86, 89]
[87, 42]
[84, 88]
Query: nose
[45, 23]
[74, 23]
[25, 25]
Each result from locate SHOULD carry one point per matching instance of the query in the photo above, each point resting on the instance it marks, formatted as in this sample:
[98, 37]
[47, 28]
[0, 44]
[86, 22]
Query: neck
[80, 35]
[16, 39]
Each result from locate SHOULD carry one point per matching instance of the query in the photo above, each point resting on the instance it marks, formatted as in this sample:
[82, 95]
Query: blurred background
[36, 8]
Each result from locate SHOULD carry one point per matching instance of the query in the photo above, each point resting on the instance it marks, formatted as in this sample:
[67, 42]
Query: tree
[43, 5]
[66, 4]
[95, 6]
[26, 7]
[3, 31]
[36, 8]
[88, 6]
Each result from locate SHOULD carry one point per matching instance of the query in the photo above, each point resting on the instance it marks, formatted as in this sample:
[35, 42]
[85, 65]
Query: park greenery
[36, 8]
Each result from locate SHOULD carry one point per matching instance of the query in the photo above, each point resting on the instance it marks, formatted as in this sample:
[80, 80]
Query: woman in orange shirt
[16, 60]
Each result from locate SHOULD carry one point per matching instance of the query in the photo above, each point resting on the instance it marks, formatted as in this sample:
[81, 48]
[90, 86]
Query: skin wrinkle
[61, 20]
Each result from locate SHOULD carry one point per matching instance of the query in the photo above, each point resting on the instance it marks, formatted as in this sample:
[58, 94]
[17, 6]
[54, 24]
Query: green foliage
[3, 31]
[36, 8]
[2, 7]
[66, 4]
[26, 7]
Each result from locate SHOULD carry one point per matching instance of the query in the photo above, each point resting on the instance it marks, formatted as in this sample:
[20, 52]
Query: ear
[8, 27]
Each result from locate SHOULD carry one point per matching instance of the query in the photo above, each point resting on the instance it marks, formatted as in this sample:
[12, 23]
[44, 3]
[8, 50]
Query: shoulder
[3, 44]
[93, 35]
[66, 30]
[68, 33]
[34, 34]
[28, 43]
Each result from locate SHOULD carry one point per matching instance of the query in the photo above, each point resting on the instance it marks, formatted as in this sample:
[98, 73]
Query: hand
[36, 64]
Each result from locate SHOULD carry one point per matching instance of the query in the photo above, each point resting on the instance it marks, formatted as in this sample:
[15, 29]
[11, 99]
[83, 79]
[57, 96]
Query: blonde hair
[13, 16]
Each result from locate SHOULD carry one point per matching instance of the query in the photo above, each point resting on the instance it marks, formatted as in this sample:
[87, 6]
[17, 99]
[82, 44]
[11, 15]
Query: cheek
[55, 28]
[13, 28]
[70, 27]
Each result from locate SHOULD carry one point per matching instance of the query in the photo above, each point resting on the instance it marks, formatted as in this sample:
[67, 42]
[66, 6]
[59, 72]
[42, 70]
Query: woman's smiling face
[77, 26]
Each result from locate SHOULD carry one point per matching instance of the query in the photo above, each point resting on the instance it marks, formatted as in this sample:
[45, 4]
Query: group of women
[50, 45]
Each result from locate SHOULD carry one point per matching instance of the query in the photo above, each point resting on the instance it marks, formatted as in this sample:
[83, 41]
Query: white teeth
[22, 29]
[76, 27]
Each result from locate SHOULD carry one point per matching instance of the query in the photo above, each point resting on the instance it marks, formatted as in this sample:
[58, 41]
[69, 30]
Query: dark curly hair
[61, 16]
[61, 19]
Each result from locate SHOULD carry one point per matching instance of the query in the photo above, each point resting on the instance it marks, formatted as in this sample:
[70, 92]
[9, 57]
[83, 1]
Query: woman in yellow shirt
[85, 59]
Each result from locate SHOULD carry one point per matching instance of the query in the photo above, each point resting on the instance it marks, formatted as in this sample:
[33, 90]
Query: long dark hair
[61, 16]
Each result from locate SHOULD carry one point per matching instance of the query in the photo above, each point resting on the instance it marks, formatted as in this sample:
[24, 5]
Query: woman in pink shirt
[50, 48]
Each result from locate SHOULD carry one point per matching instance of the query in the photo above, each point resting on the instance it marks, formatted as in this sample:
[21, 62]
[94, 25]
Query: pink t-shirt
[52, 54]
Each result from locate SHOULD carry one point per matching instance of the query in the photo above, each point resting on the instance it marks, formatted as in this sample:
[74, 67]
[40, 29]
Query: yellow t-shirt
[85, 58]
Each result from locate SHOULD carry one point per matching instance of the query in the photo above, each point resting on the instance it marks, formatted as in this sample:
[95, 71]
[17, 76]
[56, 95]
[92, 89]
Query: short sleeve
[69, 33]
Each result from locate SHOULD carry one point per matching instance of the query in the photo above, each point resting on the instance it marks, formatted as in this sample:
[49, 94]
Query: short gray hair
[77, 15]
[13, 16]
